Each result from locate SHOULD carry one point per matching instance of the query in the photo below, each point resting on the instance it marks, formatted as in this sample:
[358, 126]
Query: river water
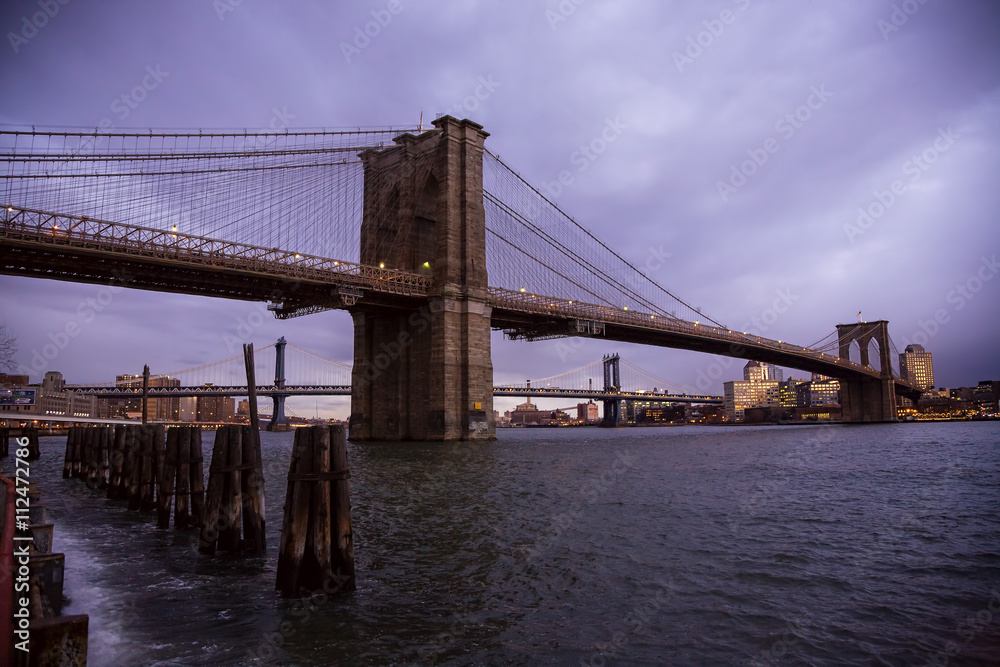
[824, 545]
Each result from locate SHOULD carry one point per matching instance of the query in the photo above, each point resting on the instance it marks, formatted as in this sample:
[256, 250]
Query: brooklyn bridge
[426, 238]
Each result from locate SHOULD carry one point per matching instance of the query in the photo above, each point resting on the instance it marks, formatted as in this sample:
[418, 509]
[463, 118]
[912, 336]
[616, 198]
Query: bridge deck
[79, 249]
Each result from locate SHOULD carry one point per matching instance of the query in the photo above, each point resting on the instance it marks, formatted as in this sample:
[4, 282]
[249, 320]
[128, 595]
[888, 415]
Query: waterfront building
[52, 399]
[586, 413]
[916, 366]
[757, 371]
[742, 394]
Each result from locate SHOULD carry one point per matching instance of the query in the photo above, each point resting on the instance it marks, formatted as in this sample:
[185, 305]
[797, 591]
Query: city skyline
[780, 185]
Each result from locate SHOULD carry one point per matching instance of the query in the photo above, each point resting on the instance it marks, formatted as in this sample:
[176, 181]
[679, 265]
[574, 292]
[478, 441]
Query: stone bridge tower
[426, 373]
[874, 399]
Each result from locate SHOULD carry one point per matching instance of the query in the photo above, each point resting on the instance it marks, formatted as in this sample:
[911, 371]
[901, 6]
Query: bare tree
[8, 348]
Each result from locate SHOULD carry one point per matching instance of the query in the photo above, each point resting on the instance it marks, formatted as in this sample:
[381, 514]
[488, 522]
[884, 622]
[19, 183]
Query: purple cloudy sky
[844, 101]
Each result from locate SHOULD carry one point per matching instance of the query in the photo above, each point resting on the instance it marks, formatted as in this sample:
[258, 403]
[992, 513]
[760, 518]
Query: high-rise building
[915, 365]
[743, 394]
[587, 412]
[158, 408]
[755, 371]
[216, 409]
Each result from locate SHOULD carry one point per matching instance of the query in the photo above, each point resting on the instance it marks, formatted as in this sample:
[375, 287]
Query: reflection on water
[824, 545]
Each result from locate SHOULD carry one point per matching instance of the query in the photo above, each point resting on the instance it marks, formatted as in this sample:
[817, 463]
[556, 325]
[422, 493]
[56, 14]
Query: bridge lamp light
[522, 289]
[297, 255]
[427, 265]
[625, 308]
[381, 265]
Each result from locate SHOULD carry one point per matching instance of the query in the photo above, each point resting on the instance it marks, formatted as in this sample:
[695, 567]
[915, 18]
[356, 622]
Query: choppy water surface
[823, 545]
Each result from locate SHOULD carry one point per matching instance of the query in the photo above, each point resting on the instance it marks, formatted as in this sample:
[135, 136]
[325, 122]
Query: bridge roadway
[79, 249]
[345, 390]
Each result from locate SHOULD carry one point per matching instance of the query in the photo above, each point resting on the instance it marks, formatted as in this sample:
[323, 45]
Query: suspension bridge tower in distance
[426, 373]
[278, 420]
[869, 399]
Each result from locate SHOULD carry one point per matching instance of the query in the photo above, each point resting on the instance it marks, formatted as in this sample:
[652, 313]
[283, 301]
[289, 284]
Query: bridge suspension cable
[300, 191]
[535, 246]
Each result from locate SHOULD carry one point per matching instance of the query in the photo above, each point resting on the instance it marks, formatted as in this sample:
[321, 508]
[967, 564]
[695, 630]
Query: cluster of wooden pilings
[147, 466]
[317, 547]
[52, 637]
[29, 432]
[153, 468]
[234, 506]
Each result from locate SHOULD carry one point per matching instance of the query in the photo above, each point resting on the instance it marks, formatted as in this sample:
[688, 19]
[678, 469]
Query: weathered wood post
[116, 461]
[317, 548]
[33, 452]
[197, 479]
[223, 504]
[79, 449]
[167, 478]
[106, 441]
[182, 492]
[132, 469]
[252, 491]
[96, 464]
[252, 479]
[150, 447]
[4, 441]
[71, 437]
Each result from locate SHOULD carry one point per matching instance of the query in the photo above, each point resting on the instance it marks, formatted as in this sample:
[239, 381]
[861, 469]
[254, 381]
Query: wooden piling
[197, 479]
[132, 468]
[252, 489]
[103, 454]
[213, 498]
[76, 458]
[167, 479]
[252, 479]
[116, 464]
[150, 447]
[182, 492]
[232, 505]
[71, 437]
[4, 441]
[317, 549]
[342, 551]
[31, 433]
[96, 460]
